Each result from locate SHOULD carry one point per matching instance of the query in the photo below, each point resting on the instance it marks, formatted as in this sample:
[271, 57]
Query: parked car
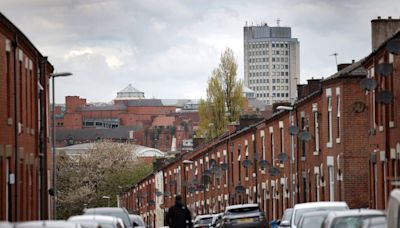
[285, 221]
[203, 221]
[118, 212]
[302, 208]
[313, 219]
[137, 220]
[5, 224]
[393, 209]
[47, 224]
[103, 220]
[351, 218]
[217, 220]
[376, 222]
[244, 215]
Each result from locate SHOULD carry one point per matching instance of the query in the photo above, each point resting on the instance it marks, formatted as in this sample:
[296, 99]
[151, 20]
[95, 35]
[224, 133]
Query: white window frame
[262, 134]
[316, 128]
[282, 131]
[329, 106]
[338, 100]
[271, 132]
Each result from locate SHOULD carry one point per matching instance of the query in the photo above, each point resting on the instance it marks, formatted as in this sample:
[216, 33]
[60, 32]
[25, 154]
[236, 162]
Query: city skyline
[169, 49]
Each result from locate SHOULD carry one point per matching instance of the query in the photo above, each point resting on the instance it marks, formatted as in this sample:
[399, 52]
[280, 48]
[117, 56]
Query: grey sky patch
[168, 49]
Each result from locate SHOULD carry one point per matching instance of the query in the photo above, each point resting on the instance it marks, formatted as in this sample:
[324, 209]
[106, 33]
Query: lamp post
[55, 75]
[292, 180]
[108, 200]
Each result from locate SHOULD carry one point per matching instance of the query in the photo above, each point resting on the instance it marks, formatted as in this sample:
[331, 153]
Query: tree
[225, 98]
[106, 169]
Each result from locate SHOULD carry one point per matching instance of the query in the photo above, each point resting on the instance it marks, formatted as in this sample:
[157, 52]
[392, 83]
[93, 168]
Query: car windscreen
[313, 221]
[121, 215]
[205, 221]
[287, 216]
[243, 210]
[351, 221]
[300, 212]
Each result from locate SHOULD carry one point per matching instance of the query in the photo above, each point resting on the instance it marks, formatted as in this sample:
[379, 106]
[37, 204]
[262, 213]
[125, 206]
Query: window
[303, 142]
[338, 115]
[239, 163]
[272, 146]
[8, 76]
[316, 127]
[331, 183]
[262, 144]
[282, 136]
[329, 114]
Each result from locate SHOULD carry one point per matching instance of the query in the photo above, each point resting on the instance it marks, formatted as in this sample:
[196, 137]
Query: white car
[301, 208]
[102, 220]
[351, 218]
[203, 221]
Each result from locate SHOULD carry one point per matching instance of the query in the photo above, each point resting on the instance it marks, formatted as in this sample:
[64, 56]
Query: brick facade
[330, 159]
[25, 156]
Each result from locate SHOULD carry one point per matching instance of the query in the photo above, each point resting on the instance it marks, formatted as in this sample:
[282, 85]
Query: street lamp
[292, 180]
[108, 200]
[55, 75]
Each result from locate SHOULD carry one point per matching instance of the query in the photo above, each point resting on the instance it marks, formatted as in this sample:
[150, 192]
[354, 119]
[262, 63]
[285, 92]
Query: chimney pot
[353, 61]
[389, 17]
[379, 17]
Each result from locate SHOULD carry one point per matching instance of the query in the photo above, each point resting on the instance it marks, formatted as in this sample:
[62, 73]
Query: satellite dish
[191, 189]
[195, 182]
[151, 202]
[393, 46]
[158, 193]
[385, 97]
[273, 171]
[215, 169]
[212, 162]
[368, 84]
[384, 69]
[246, 163]
[293, 130]
[167, 194]
[283, 157]
[218, 174]
[201, 187]
[263, 164]
[239, 189]
[207, 172]
[205, 179]
[305, 136]
[224, 166]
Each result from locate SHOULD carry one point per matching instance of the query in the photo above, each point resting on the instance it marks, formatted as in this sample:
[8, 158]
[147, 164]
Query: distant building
[129, 118]
[271, 63]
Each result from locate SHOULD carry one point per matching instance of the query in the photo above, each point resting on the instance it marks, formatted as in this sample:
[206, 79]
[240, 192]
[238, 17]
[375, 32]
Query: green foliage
[105, 170]
[225, 98]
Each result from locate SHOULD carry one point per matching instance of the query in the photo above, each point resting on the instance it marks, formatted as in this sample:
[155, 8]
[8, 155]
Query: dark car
[121, 213]
[244, 215]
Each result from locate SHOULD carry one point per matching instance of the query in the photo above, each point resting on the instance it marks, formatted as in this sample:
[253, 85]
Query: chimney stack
[382, 29]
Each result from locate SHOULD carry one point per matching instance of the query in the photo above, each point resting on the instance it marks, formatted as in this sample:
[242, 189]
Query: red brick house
[25, 156]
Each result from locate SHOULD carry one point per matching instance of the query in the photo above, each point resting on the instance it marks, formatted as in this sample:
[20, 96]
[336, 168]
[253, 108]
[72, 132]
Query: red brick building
[252, 164]
[345, 146]
[25, 157]
[382, 100]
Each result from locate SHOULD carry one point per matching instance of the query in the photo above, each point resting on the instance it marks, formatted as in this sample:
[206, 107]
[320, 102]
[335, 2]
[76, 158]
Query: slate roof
[144, 102]
[103, 107]
[130, 89]
[90, 134]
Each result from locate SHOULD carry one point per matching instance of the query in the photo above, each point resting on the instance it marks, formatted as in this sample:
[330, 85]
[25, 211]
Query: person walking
[179, 216]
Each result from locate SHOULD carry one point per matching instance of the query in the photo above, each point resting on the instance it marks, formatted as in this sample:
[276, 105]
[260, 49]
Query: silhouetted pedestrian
[179, 216]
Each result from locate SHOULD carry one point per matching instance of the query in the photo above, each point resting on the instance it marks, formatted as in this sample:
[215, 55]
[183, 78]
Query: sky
[168, 48]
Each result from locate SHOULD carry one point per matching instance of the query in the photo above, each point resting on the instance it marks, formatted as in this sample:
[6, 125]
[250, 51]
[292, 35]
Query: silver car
[350, 218]
[313, 219]
[244, 215]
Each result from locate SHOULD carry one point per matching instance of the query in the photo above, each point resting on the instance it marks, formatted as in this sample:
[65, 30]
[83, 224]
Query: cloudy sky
[168, 48]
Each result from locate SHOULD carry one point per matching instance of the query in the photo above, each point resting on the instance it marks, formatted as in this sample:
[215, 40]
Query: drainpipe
[16, 157]
[42, 152]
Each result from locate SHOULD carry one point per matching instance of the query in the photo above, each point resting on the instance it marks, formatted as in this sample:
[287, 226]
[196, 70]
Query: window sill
[329, 144]
[391, 124]
[316, 153]
[337, 140]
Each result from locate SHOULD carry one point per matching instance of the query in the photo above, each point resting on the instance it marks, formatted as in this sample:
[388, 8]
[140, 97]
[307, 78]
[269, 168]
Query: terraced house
[25, 156]
[320, 148]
